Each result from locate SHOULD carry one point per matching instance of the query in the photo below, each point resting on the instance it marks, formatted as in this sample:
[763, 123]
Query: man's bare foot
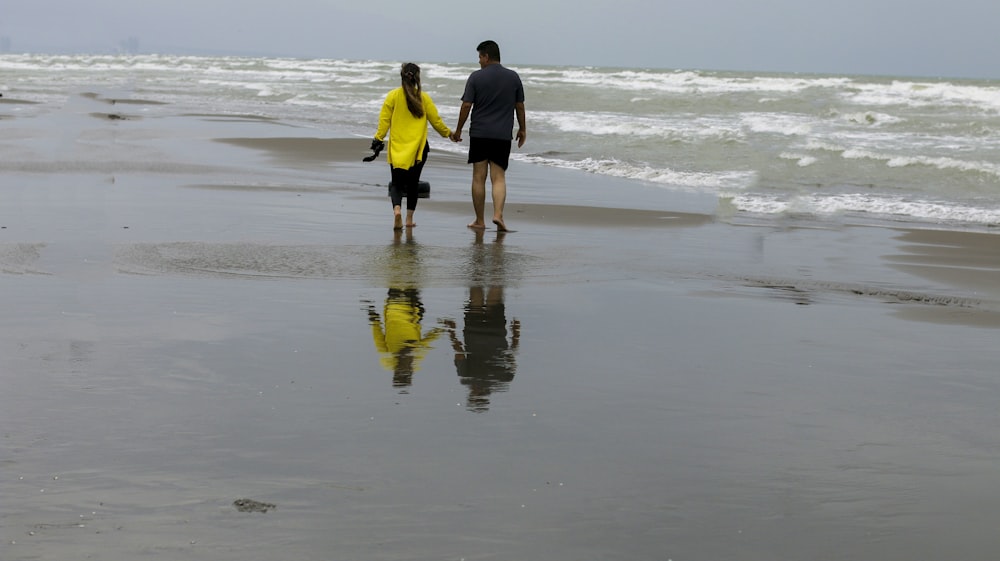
[411, 224]
[501, 227]
[477, 226]
[397, 222]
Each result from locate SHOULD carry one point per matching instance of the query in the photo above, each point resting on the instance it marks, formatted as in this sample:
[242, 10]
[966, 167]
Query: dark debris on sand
[250, 505]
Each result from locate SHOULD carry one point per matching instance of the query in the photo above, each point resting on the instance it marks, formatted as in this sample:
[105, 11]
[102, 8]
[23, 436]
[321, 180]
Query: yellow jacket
[409, 133]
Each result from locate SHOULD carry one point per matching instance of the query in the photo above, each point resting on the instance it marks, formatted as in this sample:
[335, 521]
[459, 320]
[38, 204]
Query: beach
[196, 314]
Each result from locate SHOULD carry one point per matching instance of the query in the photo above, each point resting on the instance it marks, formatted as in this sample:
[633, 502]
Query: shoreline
[272, 163]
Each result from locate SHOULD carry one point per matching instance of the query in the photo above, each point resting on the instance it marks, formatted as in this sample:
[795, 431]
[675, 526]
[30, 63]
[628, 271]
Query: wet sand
[204, 312]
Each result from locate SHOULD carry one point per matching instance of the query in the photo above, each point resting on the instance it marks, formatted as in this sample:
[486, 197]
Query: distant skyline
[916, 38]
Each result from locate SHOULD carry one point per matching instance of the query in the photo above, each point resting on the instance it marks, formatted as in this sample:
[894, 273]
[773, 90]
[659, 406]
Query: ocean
[788, 148]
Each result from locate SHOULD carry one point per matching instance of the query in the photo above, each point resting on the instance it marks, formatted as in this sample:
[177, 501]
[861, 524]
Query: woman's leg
[412, 196]
[413, 187]
[399, 179]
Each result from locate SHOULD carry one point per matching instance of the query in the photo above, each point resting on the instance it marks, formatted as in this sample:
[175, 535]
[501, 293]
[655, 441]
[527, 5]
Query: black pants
[404, 182]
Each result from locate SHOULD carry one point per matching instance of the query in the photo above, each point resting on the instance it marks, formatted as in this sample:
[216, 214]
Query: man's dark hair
[490, 49]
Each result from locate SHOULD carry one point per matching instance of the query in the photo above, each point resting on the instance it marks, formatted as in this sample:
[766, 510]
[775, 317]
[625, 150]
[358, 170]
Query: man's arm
[522, 127]
[463, 115]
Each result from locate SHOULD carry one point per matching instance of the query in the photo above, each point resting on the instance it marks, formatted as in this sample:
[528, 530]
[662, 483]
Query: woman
[406, 112]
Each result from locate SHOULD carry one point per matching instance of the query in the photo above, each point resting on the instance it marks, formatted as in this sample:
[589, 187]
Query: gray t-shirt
[493, 92]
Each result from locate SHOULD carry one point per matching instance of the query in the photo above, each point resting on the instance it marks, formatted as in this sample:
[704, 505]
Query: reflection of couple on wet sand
[484, 356]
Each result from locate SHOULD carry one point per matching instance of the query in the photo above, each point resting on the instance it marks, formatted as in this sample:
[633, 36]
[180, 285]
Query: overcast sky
[955, 39]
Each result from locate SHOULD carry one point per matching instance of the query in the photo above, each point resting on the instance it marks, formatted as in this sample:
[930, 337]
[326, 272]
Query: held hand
[456, 136]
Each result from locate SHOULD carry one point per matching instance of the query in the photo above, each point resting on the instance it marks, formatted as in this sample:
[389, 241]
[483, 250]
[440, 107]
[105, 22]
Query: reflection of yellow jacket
[401, 334]
[409, 133]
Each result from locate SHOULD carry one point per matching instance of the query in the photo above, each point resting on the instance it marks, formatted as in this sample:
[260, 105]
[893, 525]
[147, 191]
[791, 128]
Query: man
[493, 95]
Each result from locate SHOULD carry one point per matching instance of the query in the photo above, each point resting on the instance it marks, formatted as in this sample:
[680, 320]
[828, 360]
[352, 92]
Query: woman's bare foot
[397, 222]
[411, 224]
[501, 227]
[477, 226]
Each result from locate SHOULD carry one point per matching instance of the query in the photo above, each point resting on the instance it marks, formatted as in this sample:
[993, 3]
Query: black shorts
[493, 149]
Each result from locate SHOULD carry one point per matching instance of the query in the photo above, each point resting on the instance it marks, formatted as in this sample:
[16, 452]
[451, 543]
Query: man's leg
[479, 172]
[498, 180]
